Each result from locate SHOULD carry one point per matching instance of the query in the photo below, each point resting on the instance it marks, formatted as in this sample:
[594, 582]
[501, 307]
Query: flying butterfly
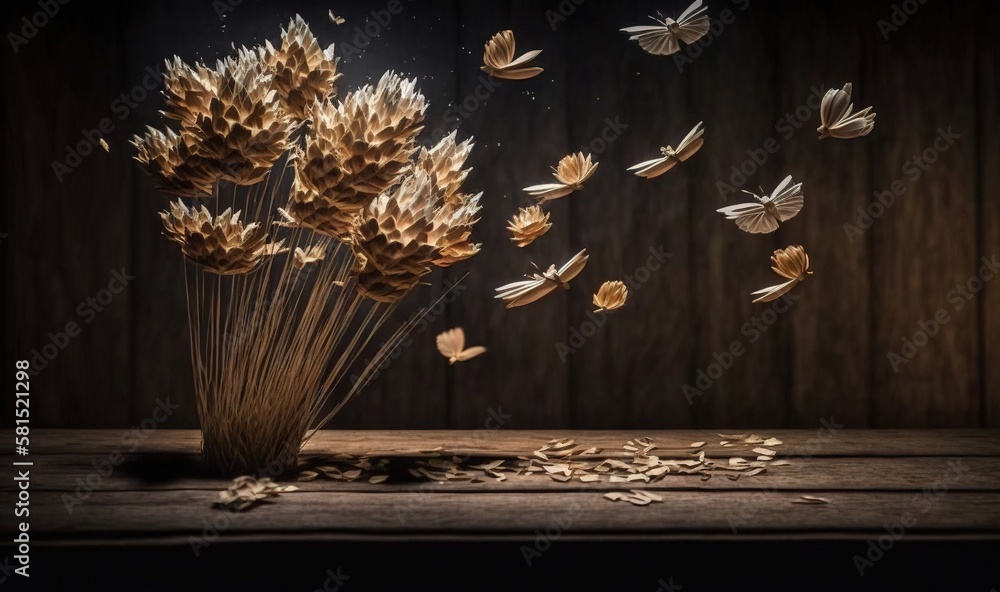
[685, 150]
[760, 218]
[571, 172]
[836, 119]
[791, 263]
[498, 57]
[541, 284]
[451, 344]
[337, 20]
[663, 38]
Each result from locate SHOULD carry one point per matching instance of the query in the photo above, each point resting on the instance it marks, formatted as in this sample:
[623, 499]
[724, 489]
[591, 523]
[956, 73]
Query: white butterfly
[451, 344]
[836, 120]
[540, 284]
[688, 146]
[662, 39]
[337, 20]
[792, 263]
[498, 57]
[760, 218]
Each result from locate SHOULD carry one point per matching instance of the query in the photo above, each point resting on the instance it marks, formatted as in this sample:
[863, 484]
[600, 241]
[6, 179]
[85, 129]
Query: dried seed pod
[221, 245]
[528, 225]
[611, 296]
[303, 72]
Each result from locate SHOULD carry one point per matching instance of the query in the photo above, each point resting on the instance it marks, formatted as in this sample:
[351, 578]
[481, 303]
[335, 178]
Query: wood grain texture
[924, 245]
[521, 130]
[826, 357]
[590, 515]
[510, 443]
[735, 99]
[624, 366]
[832, 317]
[153, 473]
[988, 60]
[68, 234]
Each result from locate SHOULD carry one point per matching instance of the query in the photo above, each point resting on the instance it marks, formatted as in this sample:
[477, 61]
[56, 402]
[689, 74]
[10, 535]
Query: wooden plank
[806, 443]
[827, 339]
[521, 130]
[988, 54]
[64, 246]
[624, 104]
[153, 473]
[732, 89]
[924, 244]
[480, 514]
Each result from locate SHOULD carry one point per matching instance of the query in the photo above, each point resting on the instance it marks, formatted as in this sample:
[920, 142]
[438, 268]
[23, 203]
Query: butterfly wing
[774, 292]
[835, 106]
[655, 167]
[735, 211]
[520, 74]
[470, 353]
[549, 191]
[691, 142]
[692, 12]
[539, 291]
[788, 199]
[524, 59]
[751, 217]
[451, 342]
[854, 126]
[574, 266]
[656, 39]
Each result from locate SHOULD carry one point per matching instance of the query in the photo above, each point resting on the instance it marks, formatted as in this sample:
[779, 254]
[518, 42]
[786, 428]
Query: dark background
[826, 357]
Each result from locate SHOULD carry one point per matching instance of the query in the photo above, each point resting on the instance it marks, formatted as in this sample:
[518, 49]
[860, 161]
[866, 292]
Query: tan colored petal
[611, 296]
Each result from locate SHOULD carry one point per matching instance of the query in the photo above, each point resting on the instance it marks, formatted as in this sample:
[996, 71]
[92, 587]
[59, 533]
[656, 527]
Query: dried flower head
[528, 224]
[791, 263]
[221, 245]
[303, 73]
[171, 161]
[611, 296]
[571, 173]
[245, 131]
[444, 164]
[407, 231]
[356, 151]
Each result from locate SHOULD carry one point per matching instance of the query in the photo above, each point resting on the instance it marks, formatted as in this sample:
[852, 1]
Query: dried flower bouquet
[306, 218]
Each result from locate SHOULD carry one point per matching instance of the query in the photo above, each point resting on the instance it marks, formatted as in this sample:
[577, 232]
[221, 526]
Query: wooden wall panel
[924, 245]
[67, 238]
[988, 62]
[826, 346]
[521, 131]
[827, 356]
[628, 371]
[732, 89]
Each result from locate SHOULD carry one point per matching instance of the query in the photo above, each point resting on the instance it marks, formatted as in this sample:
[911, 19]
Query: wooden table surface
[945, 484]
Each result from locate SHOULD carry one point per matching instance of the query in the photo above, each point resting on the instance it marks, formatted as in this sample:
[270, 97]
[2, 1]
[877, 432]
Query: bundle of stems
[346, 215]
